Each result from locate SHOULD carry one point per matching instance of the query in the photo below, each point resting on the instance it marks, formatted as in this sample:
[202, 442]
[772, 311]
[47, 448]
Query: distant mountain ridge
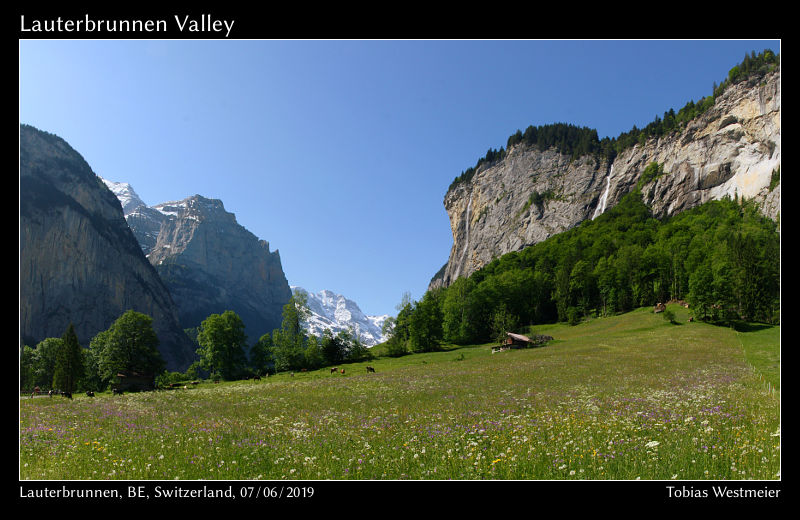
[166, 232]
[335, 312]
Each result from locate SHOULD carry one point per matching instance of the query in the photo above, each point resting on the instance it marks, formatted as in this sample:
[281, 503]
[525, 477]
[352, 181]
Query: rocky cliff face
[211, 264]
[144, 221]
[79, 261]
[730, 150]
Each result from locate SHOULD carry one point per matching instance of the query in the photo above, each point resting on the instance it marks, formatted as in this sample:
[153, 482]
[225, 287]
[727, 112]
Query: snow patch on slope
[124, 192]
[335, 312]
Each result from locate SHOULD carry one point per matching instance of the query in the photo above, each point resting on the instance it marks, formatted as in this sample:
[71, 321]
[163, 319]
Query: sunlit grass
[760, 352]
[614, 398]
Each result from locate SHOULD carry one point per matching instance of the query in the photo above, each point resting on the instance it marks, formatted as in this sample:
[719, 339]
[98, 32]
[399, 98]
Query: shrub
[573, 316]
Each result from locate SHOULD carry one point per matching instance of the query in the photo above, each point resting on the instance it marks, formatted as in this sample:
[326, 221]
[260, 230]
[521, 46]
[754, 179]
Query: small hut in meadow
[514, 340]
[517, 340]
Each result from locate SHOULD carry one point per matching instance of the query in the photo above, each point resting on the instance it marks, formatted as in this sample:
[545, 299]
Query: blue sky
[339, 153]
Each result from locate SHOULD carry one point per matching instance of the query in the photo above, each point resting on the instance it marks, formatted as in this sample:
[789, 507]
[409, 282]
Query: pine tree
[69, 362]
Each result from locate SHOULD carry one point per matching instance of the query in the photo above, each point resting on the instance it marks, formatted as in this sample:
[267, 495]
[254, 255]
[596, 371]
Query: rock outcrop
[730, 150]
[211, 264]
[79, 262]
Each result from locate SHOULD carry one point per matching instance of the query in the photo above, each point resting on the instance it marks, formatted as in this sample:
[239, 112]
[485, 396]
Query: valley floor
[622, 398]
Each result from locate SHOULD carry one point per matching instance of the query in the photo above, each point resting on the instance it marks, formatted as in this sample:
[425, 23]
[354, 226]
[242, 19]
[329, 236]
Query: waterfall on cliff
[601, 206]
[466, 242]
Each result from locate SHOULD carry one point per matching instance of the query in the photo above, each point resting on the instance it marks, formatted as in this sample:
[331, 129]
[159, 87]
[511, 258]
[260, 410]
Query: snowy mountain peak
[335, 312]
[124, 192]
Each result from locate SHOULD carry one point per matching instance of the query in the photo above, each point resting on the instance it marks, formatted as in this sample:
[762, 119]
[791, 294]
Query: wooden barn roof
[518, 337]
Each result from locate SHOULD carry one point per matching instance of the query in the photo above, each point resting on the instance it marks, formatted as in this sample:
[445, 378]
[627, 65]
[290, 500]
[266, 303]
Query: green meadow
[625, 397]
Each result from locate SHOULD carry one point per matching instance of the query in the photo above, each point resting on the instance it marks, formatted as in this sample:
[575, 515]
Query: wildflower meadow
[621, 398]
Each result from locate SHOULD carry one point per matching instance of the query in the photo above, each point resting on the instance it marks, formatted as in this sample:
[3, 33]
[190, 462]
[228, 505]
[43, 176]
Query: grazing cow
[89, 393]
[50, 393]
[195, 382]
[116, 391]
[370, 369]
[691, 318]
[342, 371]
[66, 394]
[257, 378]
[216, 381]
[291, 374]
[302, 370]
[333, 370]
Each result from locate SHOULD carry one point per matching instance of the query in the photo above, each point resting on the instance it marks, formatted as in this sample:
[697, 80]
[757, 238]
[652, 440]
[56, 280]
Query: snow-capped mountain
[144, 221]
[208, 261]
[335, 312]
[124, 192]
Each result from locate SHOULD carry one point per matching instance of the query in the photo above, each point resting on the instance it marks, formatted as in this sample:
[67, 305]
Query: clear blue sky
[339, 153]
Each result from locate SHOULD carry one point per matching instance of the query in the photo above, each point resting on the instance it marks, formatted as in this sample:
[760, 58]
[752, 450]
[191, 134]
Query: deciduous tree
[129, 345]
[222, 342]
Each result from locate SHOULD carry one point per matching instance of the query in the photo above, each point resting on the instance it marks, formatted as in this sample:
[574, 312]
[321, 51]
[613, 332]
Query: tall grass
[625, 397]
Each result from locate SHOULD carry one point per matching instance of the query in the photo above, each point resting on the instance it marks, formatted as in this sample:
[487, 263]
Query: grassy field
[625, 397]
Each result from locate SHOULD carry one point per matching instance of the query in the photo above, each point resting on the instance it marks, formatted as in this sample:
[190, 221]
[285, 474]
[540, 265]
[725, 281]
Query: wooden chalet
[517, 340]
[514, 341]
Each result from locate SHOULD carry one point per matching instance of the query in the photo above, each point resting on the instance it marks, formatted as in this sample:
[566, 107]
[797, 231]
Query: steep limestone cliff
[526, 198]
[79, 261]
[730, 150]
[211, 264]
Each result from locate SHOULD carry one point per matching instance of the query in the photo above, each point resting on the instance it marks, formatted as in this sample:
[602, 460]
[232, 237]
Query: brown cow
[342, 371]
[256, 378]
[370, 369]
[333, 370]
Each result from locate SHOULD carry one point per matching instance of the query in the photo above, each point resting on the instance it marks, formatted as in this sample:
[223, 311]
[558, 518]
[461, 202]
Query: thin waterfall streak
[466, 241]
[601, 206]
